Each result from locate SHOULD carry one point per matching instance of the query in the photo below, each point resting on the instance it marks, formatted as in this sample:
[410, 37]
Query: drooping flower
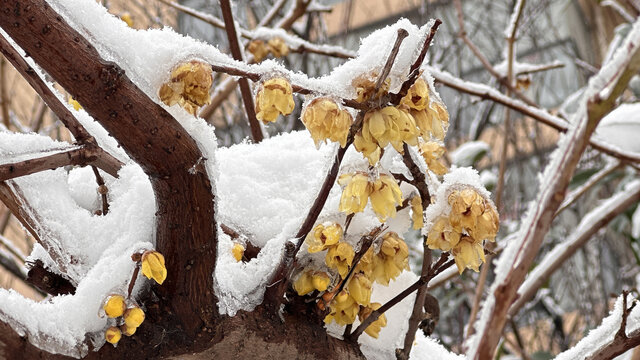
[344, 309]
[365, 86]
[153, 266]
[128, 330]
[392, 259]
[113, 335]
[322, 236]
[417, 97]
[189, 86]
[359, 288]
[133, 317]
[355, 194]
[275, 97]
[325, 120]
[442, 235]
[468, 253]
[237, 251]
[366, 263]
[466, 206]
[374, 328]
[340, 256]
[417, 212]
[258, 49]
[432, 152]
[114, 306]
[433, 121]
[278, 47]
[309, 281]
[385, 196]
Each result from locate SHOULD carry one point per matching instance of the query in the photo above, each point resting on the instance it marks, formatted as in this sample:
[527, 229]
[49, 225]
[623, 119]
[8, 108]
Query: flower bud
[113, 335]
[238, 251]
[114, 306]
[153, 266]
[133, 317]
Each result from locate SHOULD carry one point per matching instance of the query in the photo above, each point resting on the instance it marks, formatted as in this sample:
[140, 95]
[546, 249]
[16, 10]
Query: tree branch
[591, 223]
[599, 98]
[186, 226]
[621, 342]
[245, 90]
[79, 155]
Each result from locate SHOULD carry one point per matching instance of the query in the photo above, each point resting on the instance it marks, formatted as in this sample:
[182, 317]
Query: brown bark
[186, 230]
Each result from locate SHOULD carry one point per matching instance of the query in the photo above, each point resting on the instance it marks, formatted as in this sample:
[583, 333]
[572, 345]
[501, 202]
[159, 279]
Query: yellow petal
[238, 251]
[113, 335]
[114, 306]
[153, 266]
[133, 317]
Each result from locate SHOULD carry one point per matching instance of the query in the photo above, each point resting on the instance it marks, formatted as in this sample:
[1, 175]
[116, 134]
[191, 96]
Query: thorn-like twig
[102, 190]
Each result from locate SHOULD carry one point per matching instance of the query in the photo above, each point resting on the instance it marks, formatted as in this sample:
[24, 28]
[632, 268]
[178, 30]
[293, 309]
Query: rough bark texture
[186, 229]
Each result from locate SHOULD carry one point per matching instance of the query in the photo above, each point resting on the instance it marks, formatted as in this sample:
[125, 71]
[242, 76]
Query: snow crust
[621, 127]
[467, 153]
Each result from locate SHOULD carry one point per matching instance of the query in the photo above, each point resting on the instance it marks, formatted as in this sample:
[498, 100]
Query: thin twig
[132, 282]
[4, 97]
[593, 180]
[272, 13]
[245, 90]
[102, 190]
[438, 267]
[485, 62]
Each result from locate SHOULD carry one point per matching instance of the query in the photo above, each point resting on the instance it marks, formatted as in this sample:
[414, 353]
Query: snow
[621, 127]
[635, 223]
[468, 153]
[513, 253]
[16, 147]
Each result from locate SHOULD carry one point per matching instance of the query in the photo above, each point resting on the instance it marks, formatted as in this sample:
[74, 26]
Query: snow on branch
[588, 226]
[520, 254]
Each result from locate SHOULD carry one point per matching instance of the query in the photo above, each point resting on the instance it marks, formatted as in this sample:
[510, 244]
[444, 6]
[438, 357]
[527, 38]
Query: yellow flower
[442, 235]
[366, 263]
[113, 335]
[189, 86]
[326, 121]
[114, 306]
[274, 97]
[468, 253]
[74, 103]
[432, 121]
[365, 87]
[321, 237]
[278, 47]
[367, 147]
[374, 328]
[238, 251]
[340, 256]
[258, 49]
[308, 281]
[355, 193]
[133, 317]
[128, 330]
[392, 258]
[417, 97]
[344, 309]
[126, 17]
[487, 224]
[466, 206]
[432, 152]
[320, 280]
[417, 212]
[359, 288]
[153, 266]
[381, 127]
[385, 196]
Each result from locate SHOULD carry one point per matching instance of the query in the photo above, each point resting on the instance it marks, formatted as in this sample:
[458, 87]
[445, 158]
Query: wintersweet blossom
[432, 153]
[392, 259]
[360, 288]
[275, 97]
[374, 328]
[356, 192]
[322, 236]
[133, 317]
[325, 120]
[417, 212]
[153, 266]
[189, 86]
[237, 251]
[114, 306]
[340, 257]
[113, 335]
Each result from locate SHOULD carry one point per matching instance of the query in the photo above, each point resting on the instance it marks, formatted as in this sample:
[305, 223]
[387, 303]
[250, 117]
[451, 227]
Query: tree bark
[186, 231]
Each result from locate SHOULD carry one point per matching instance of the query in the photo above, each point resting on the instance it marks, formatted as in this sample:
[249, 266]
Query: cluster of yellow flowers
[260, 50]
[355, 298]
[189, 86]
[325, 120]
[417, 116]
[129, 318]
[274, 97]
[359, 187]
[472, 220]
[115, 306]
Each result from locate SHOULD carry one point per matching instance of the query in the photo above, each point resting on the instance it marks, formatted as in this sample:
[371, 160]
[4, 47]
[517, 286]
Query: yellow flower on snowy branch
[275, 97]
[325, 120]
[189, 86]
[153, 266]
